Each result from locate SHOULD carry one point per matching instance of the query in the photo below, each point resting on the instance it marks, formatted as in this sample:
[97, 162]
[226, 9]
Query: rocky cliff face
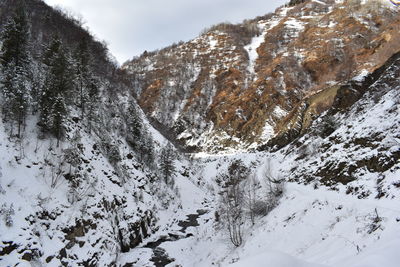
[356, 142]
[239, 86]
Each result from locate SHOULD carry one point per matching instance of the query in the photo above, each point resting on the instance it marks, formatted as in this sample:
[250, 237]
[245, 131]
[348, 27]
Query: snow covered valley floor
[311, 226]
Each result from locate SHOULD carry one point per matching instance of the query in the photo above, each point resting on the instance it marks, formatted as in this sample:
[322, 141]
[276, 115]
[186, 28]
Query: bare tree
[251, 188]
[232, 200]
[56, 173]
[233, 213]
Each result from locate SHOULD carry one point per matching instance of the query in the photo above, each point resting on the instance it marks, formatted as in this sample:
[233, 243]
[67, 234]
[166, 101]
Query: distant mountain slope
[237, 86]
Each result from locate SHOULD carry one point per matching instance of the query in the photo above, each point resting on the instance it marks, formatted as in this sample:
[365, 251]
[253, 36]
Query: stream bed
[160, 257]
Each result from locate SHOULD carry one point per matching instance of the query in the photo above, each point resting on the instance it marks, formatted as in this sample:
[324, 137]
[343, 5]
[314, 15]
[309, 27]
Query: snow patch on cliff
[255, 43]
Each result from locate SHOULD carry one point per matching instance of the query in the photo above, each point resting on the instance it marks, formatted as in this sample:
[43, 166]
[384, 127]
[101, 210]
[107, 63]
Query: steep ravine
[97, 199]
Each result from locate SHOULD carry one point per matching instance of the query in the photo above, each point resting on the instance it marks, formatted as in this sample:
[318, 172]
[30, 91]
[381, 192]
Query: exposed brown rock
[307, 53]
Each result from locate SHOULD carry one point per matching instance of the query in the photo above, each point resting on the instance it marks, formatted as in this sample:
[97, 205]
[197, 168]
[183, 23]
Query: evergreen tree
[138, 136]
[61, 74]
[86, 84]
[36, 86]
[51, 50]
[92, 104]
[57, 89]
[135, 128]
[48, 93]
[83, 75]
[167, 166]
[15, 62]
[59, 112]
[145, 148]
[15, 39]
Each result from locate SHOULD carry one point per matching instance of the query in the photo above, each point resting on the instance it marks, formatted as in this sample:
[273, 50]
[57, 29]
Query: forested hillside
[78, 167]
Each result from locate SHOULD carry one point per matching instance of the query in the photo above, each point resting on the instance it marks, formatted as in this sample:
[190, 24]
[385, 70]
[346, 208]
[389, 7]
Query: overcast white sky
[133, 26]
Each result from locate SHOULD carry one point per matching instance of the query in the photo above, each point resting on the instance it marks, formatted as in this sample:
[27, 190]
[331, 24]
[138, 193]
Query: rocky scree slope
[238, 86]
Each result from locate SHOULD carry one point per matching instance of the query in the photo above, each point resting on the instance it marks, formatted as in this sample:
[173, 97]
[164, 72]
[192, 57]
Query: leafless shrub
[7, 212]
[56, 173]
[376, 223]
[275, 187]
[251, 187]
[241, 33]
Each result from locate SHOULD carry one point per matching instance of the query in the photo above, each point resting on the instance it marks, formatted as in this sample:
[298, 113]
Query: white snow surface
[361, 76]
[311, 227]
[268, 132]
[256, 41]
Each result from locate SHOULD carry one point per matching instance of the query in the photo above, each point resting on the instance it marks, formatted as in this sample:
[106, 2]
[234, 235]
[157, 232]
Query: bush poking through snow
[261, 208]
[7, 213]
[113, 154]
[2, 191]
[328, 126]
[376, 223]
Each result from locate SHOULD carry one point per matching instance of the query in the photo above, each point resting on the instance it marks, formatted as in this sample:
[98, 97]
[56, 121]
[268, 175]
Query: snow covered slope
[93, 192]
[47, 221]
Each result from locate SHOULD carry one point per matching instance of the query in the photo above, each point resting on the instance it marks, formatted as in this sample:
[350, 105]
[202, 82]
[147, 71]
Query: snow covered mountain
[305, 100]
[242, 85]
